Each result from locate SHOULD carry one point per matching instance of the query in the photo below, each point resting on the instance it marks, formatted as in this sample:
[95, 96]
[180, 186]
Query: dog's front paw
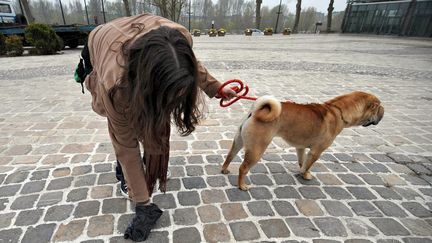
[243, 187]
[307, 176]
[225, 171]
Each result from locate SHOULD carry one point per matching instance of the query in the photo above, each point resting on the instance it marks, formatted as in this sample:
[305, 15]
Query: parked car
[257, 32]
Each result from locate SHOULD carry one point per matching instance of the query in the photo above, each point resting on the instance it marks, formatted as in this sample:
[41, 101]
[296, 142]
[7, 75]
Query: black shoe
[120, 177]
[143, 222]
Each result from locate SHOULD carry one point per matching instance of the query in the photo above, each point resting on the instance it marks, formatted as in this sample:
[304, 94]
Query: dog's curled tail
[266, 109]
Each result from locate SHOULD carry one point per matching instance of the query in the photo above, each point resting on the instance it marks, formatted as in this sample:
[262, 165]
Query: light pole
[85, 6]
[61, 8]
[277, 19]
[189, 16]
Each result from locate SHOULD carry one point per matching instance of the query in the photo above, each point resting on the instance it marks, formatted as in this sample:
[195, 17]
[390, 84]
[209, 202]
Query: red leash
[236, 89]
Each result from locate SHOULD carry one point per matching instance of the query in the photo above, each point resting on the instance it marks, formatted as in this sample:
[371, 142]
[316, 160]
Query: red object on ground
[242, 88]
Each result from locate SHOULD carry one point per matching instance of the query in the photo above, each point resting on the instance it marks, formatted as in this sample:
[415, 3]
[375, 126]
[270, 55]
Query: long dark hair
[160, 78]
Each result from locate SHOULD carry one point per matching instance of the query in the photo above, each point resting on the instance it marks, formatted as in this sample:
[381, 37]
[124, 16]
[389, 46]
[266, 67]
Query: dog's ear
[373, 106]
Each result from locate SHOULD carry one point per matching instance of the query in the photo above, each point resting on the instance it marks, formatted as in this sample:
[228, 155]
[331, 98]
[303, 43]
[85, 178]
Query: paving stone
[6, 220]
[125, 219]
[388, 241]
[329, 179]
[260, 208]
[70, 231]
[194, 170]
[331, 226]
[389, 226]
[61, 172]
[16, 177]
[50, 198]
[178, 160]
[360, 228]
[417, 226]
[364, 208]
[372, 179]
[216, 233]
[351, 179]
[407, 193]
[212, 169]
[284, 208]
[233, 211]
[274, 228]
[185, 216]
[335, 167]
[243, 231]
[417, 209]
[356, 167]
[100, 192]
[87, 208]
[415, 180]
[3, 203]
[343, 157]
[324, 241]
[289, 157]
[337, 193]
[163, 222]
[78, 194]
[361, 193]
[392, 180]
[286, 192]
[259, 168]
[197, 159]
[302, 227]
[188, 198]
[86, 180]
[28, 217]
[11, 235]
[24, 202]
[209, 214]
[194, 183]
[101, 168]
[107, 178]
[164, 201]
[114, 206]
[216, 181]
[260, 193]
[357, 241]
[387, 193]
[399, 158]
[416, 240]
[100, 225]
[390, 209]
[309, 207]
[271, 157]
[381, 157]
[311, 192]
[81, 170]
[283, 179]
[213, 196]
[336, 208]
[235, 195]
[186, 235]
[60, 183]
[58, 213]
[173, 184]
[40, 233]
[177, 171]
[9, 190]
[214, 159]
[260, 179]
[33, 187]
[275, 168]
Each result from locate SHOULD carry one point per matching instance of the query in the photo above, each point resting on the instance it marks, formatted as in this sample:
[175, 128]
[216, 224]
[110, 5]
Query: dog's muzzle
[375, 119]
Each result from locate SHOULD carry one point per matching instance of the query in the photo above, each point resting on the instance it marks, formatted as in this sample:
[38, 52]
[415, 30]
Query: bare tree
[170, 9]
[329, 15]
[127, 8]
[258, 14]
[27, 11]
[297, 16]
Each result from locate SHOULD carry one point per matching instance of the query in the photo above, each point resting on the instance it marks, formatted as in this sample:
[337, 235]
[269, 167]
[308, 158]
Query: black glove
[143, 222]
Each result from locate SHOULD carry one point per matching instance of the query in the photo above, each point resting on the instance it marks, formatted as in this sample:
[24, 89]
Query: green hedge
[43, 38]
[14, 45]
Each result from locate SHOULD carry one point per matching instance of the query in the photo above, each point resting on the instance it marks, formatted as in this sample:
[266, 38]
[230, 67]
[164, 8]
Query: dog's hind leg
[313, 155]
[235, 148]
[252, 156]
[301, 156]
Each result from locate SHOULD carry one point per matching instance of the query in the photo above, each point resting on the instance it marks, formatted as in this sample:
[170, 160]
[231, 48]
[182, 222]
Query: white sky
[320, 5]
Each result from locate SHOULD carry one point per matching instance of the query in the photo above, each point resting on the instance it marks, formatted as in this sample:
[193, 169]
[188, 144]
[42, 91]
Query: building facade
[391, 17]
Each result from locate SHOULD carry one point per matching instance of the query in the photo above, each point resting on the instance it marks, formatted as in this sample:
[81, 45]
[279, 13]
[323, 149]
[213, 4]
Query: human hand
[227, 93]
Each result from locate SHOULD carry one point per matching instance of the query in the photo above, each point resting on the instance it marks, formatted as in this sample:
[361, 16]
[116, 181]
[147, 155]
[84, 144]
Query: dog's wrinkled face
[373, 112]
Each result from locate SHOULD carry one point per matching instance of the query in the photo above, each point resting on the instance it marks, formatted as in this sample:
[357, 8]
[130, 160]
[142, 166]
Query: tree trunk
[329, 15]
[27, 13]
[297, 16]
[127, 8]
[258, 14]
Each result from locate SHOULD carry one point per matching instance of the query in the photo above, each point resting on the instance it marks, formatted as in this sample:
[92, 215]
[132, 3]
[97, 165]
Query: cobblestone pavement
[373, 184]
